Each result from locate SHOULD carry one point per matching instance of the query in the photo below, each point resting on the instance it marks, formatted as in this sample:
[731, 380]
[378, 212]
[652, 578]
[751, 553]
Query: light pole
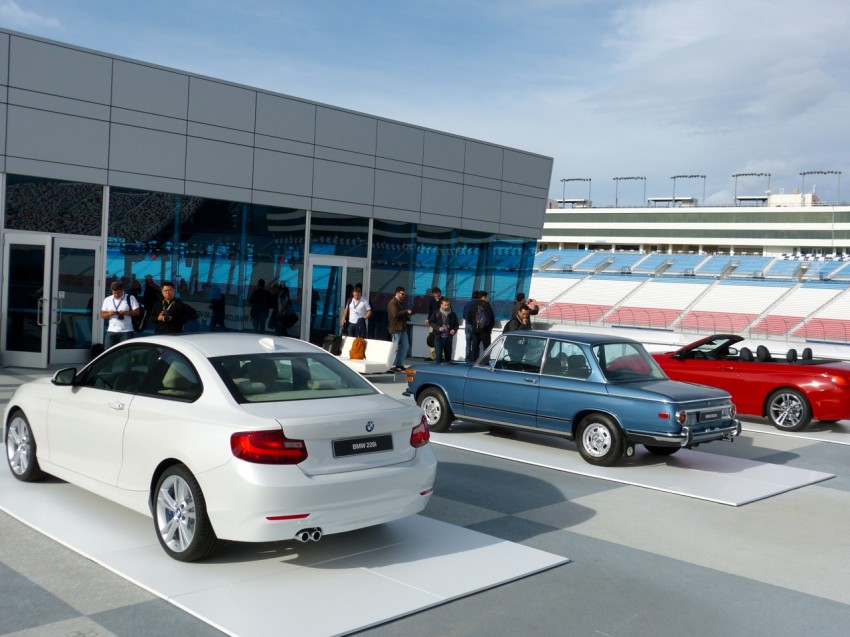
[563, 191]
[736, 175]
[617, 181]
[822, 172]
[675, 177]
[564, 181]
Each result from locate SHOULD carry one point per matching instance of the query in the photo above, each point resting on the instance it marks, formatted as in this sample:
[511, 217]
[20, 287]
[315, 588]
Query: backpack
[358, 349]
[138, 321]
[482, 319]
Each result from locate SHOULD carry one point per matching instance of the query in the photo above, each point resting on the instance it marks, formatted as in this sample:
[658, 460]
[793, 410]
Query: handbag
[358, 349]
[430, 339]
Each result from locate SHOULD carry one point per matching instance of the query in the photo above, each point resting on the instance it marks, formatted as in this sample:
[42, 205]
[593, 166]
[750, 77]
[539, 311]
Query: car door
[503, 387]
[85, 423]
[566, 386]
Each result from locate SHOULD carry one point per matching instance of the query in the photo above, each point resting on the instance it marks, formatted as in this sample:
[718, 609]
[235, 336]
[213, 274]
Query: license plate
[710, 415]
[355, 446]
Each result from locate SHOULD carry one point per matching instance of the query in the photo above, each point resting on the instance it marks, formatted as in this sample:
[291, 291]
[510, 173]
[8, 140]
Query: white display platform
[706, 476]
[835, 432]
[343, 583]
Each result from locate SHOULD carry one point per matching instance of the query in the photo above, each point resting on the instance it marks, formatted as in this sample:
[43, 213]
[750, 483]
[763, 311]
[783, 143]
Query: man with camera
[170, 314]
[118, 308]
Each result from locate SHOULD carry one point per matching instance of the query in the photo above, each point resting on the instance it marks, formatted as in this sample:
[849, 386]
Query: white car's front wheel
[21, 449]
[180, 516]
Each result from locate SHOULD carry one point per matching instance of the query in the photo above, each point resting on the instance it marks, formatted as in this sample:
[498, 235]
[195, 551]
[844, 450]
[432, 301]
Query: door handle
[530, 380]
[117, 405]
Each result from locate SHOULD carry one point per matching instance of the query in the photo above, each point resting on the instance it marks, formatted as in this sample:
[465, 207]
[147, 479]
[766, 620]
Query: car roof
[211, 345]
[586, 338]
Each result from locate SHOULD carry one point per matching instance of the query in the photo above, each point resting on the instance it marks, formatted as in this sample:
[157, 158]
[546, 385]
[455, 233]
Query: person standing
[170, 314]
[444, 324]
[260, 301]
[356, 312]
[433, 306]
[398, 316]
[118, 309]
[533, 308]
[217, 308]
[482, 318]
[520, 321]
[467, 324]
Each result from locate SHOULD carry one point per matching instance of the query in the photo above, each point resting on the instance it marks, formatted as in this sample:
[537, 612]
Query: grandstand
[783, 297]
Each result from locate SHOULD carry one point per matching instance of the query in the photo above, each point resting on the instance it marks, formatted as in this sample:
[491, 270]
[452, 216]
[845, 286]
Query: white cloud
[14, 17]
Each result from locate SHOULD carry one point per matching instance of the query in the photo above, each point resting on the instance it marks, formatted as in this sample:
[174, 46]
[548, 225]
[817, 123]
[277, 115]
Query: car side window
[520, 353]
[124, 369]
[566, 359]
[173, 376]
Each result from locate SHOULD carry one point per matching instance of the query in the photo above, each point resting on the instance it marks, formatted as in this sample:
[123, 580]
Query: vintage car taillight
[733, 411]
[420, 434]
[267, 447]
[681, 416]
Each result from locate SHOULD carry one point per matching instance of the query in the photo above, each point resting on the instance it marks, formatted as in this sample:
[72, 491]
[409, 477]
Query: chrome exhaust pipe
[309, 535]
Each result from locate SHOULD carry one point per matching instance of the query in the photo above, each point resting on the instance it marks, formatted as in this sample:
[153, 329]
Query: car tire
[21, 449]
[788, 410]
[180, 516]
[655, 450]
[600, 441]
[438, 414]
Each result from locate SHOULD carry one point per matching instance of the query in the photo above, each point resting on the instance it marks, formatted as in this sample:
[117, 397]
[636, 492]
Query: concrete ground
[644, 563]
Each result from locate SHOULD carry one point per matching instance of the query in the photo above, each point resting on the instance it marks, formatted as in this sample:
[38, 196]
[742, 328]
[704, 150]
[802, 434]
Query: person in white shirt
[356, 312]
[118, 309]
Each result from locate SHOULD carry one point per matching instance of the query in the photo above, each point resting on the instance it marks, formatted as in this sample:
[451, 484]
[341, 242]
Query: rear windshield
[627, 362]
[264, 378]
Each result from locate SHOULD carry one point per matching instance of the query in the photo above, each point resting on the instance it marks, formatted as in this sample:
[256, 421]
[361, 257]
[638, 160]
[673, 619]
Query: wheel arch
[766, 401]
[584, 413]
[157, 473]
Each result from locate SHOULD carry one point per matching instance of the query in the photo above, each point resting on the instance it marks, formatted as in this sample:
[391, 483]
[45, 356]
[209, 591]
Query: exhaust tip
[309, 535]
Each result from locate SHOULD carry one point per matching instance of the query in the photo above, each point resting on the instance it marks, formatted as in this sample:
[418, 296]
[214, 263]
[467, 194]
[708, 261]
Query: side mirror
[65, 376]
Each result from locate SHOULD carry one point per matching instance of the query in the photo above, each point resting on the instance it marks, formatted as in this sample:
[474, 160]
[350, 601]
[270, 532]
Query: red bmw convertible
[790, 391]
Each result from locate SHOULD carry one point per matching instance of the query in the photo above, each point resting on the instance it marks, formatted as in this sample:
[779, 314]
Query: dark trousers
[480, 342]
[443, 348]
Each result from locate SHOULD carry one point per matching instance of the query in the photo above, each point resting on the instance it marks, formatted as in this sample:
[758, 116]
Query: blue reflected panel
[76, 282]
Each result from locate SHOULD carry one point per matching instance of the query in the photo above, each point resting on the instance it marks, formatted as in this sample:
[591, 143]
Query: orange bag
[358, 349]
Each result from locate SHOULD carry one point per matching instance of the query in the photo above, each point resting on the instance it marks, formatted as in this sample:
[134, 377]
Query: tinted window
[265, 378]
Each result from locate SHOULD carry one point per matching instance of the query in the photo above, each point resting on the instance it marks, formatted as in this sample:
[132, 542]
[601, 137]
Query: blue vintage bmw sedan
[605, 392]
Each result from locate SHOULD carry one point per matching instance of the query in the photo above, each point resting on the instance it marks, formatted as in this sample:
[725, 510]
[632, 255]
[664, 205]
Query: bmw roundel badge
[370, 426]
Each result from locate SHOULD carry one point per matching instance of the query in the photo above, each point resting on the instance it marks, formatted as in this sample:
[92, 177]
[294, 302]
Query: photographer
[170, 314]
[117, 309]
[533, 308]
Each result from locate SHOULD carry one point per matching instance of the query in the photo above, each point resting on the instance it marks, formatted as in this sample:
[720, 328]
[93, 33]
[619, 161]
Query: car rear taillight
[267, 447]
[681, 416]
[733, 411]
[420, 434]
[841, 381]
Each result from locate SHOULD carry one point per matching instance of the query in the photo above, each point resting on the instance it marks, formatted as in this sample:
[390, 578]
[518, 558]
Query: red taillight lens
[267, 447]
[841, 381]
[420, 434]
[733, 411]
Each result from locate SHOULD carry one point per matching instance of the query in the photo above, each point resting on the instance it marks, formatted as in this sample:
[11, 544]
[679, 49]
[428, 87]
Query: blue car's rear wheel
[436, 408]
[600, 440]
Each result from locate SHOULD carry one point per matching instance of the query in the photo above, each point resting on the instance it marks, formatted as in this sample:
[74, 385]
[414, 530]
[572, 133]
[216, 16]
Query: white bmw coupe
[225, 437]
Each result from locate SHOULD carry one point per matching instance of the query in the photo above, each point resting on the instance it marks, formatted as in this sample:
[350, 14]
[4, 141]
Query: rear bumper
[687, 437]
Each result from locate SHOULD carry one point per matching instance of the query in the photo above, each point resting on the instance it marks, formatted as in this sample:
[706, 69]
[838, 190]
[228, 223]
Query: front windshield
[264, 378]
[627, 362]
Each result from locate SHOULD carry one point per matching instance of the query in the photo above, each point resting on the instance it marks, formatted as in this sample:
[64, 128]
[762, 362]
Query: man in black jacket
[481, 317]
[170, 314]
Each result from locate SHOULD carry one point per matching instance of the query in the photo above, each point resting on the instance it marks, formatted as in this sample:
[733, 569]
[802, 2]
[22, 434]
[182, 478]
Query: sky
[608, 88]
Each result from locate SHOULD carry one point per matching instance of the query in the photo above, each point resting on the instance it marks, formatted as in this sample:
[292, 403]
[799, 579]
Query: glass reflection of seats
[570, 366]
[257, 377]
[180, 381]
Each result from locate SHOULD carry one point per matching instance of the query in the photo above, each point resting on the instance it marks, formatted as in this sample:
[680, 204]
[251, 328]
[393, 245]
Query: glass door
[329, 283]
[49, 296]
